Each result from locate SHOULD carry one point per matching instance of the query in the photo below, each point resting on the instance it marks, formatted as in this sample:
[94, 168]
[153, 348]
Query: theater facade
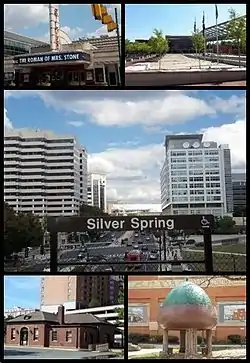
[146, 293]
[79, 64]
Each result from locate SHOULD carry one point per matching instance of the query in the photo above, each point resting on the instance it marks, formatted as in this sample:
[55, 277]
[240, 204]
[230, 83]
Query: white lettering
[155, 223]
[101, 224]
[56, 58]
[71, 56]
[135, 223]
[91, 223]
[47, 58]
[35, 59]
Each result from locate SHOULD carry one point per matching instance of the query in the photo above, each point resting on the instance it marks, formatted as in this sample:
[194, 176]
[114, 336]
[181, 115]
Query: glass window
[35, 334]
[69, 336]
[54, 335]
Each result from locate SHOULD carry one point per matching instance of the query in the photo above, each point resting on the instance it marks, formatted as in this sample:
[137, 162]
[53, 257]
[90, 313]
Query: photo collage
[124, 181]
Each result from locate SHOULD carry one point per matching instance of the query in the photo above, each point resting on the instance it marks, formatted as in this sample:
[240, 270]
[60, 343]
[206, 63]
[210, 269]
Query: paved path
[177, 63]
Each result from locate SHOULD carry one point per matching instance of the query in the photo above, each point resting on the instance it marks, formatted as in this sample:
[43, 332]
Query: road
[50, 353]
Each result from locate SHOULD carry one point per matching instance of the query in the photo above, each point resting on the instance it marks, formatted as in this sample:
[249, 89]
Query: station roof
[211, 32]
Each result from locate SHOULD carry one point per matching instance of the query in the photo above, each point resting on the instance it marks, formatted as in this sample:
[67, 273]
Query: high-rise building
[42, 172]
[196, 177]
[239, 194]
[78, 292]
[97, 191]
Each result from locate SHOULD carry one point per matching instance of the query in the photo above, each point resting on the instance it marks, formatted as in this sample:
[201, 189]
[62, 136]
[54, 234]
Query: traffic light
[26, 252]
[42, 250]
[111, 26]
[100, 12]
[96, 11]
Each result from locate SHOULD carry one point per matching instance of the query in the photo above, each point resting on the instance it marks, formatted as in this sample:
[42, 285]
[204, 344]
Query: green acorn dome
[187, 293]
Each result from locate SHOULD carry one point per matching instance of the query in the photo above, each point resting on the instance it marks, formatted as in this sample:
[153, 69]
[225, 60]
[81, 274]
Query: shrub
[234, 339]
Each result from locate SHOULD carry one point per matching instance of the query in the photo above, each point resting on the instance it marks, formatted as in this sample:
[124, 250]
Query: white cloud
[76, 123]
[133, 170]
[7, 121]
[23, 16]
[234, 135]
[134, 174]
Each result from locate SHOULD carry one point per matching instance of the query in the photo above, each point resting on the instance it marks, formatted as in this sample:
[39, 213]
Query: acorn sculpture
[187, 308]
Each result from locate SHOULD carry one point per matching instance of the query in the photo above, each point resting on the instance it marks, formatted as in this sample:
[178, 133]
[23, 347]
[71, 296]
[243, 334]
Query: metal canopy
[210, 32]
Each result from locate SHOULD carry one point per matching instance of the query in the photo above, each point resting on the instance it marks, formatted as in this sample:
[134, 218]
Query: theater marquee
[130, 223]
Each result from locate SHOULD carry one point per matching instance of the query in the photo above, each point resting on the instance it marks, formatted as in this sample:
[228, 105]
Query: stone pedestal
[182, 341]
[209, 342]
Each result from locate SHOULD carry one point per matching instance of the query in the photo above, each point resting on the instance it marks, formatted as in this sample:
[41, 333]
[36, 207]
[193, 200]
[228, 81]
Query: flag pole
[217, 34]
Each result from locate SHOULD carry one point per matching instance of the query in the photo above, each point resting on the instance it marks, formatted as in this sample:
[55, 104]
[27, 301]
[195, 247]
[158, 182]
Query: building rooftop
[22, 38]
[39, 315]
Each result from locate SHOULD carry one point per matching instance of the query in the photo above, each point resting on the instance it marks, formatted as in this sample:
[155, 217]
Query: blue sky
[22, 291]
[124, 131]
[33, 20]
[173, 19]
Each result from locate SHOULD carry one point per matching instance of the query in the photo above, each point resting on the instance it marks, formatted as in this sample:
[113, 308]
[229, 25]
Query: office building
[239, 194]
[42, 172]
[97, 191]
[78, 292]
[196, 177]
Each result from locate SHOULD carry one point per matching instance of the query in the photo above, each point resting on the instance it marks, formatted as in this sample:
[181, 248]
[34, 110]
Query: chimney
[60, 314]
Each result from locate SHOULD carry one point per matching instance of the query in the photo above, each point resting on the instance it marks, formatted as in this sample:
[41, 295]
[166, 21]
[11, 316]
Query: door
[24, 334]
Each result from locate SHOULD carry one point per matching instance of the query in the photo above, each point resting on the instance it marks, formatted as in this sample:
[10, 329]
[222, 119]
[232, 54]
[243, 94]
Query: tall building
[97, 191]
[239, 194]
[77, 292]
[42, 172]
[196, 177]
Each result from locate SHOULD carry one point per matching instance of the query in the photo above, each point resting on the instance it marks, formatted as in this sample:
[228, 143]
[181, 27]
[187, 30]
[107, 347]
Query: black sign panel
[52, 58]
[127, 223]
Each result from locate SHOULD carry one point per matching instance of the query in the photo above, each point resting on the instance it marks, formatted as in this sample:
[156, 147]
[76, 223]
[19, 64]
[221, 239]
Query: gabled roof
[53, 318]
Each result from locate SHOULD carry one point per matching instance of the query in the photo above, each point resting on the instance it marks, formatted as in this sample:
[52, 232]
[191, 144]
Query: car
[136, 235]
[136, 246]
[190, 242]
[153, 256]
[155, 251]
[140, 242]
[144, 248]
[147, 238]
[143, 233]
[112, 235]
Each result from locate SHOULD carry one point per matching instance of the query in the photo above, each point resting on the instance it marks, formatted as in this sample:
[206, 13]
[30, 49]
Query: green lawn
[239, 248]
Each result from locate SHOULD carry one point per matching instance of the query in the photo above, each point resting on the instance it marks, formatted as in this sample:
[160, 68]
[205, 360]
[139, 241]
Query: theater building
[146, 293]
[80, 63]
[44, 329]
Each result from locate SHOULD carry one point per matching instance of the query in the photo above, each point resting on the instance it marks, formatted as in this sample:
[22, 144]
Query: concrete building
[228, 296]
[97, 191]
[130, 209]
[196, 177]
[77, 292]
[239, 194]
[42, 172]
[15, 44]
[14, 312]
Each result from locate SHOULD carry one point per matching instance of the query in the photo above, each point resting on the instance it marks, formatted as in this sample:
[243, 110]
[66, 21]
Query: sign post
[160, 223]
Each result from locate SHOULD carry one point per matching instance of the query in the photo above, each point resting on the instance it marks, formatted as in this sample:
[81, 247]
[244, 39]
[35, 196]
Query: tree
[120, 311]
[198, 43]
[91, 211]
[236, 31]
[21, 230]
[158, 42]
[224, 225]
[94, 302]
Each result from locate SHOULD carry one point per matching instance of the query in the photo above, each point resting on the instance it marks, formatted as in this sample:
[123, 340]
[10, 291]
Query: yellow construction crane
[100, 13]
